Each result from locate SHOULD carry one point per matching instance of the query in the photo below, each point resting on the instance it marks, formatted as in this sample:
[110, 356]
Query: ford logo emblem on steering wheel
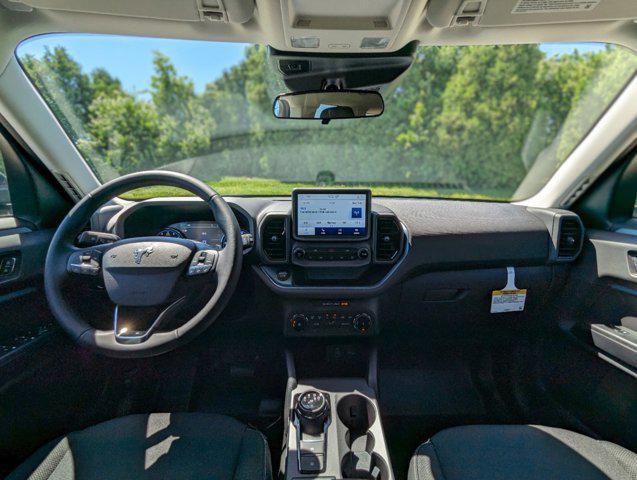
[139, 253]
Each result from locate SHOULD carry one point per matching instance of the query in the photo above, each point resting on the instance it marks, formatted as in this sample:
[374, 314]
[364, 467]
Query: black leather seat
[156, 446]
[519, 452]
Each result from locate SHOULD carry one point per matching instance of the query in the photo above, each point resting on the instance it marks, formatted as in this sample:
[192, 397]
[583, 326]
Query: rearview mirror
[329, 105]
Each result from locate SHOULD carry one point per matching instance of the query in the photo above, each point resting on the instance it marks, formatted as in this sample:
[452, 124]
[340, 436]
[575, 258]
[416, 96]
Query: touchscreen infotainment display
[336, 214]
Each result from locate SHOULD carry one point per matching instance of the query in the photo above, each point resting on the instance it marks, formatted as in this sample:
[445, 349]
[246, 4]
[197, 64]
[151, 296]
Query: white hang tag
[510, 298]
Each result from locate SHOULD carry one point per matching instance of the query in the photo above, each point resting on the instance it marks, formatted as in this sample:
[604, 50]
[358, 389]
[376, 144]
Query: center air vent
[570, 237]
[274, 238]
[388, 239]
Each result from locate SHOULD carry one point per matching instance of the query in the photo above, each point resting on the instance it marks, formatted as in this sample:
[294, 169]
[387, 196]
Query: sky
[130, 58]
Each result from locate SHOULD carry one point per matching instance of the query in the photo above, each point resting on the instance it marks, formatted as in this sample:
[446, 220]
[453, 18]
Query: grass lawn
[270, 187]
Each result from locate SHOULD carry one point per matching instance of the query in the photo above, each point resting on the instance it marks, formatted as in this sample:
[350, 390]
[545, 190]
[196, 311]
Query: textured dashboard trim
[443, 234]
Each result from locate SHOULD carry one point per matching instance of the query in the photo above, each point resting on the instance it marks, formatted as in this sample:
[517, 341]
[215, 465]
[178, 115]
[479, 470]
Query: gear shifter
[312, 410]
[312, 414]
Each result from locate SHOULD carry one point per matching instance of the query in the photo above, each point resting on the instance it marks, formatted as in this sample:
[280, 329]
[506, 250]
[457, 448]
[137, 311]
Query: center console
[329, 255]
[334, 431]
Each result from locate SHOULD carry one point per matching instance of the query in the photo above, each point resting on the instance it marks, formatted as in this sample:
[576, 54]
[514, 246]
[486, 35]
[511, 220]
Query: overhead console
[301, 71]
[352, 26]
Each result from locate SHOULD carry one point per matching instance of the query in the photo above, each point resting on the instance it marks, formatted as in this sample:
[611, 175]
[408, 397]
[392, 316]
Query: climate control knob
[299, 253]
[362, 322]
[298, 322]
[363, 253]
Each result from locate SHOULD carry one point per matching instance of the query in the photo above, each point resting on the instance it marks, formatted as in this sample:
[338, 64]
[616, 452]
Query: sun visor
[501, 13]
[229, 11]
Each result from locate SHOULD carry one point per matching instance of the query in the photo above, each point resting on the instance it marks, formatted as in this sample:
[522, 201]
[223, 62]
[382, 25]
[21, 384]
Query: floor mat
[443, 388]
[244, 379]
[438, 389]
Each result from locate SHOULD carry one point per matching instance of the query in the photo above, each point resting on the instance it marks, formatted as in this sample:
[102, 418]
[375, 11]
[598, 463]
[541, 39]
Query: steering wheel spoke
[126, 333]
[86, 261]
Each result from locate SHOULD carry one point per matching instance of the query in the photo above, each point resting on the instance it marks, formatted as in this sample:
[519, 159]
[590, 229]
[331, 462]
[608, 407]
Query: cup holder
[358, 415]
[357, 442]
[364, 466]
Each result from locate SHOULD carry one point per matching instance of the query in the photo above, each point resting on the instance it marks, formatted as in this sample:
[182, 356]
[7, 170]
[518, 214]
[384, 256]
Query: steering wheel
[160, 272]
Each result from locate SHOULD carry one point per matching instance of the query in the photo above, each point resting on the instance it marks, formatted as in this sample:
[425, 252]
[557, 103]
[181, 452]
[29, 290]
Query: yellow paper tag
[510, 298]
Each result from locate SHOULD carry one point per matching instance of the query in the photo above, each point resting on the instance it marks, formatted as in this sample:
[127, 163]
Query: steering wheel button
[88, 269]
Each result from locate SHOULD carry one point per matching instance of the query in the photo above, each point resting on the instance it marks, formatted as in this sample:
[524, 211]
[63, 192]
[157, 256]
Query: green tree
[75, 85]
[124, 132]
[481, 116]
[186, 126]
[172, 94]
[63, 86]
[470, 114]
[103, 83]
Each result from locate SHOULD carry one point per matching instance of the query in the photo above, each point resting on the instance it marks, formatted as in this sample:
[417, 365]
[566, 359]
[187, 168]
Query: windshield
[483, 122]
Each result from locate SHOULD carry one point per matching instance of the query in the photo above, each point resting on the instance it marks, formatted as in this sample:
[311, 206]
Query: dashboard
[394, 234]
[336, 258]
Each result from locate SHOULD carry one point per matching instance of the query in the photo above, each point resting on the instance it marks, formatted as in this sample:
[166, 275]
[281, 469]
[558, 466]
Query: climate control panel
[352, 254]
[330, 323]
[331, 254]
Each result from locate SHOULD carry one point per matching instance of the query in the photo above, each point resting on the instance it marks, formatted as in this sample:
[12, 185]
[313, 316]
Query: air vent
[69, 186]
[388, 239]
[570, 237]
[274, 238]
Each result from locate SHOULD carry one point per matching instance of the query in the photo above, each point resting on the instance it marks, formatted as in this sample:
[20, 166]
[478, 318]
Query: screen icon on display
[357, 212]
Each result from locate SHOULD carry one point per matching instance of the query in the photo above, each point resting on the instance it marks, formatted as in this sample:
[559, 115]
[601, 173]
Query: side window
[5, 200]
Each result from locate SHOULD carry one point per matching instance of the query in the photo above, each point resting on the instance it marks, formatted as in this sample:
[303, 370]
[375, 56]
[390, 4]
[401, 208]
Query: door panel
[25, 315]
[596, 389]
[616, 261]
[44, 388]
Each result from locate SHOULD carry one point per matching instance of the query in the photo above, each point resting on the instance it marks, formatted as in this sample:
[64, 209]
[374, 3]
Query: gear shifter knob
[312, 409]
